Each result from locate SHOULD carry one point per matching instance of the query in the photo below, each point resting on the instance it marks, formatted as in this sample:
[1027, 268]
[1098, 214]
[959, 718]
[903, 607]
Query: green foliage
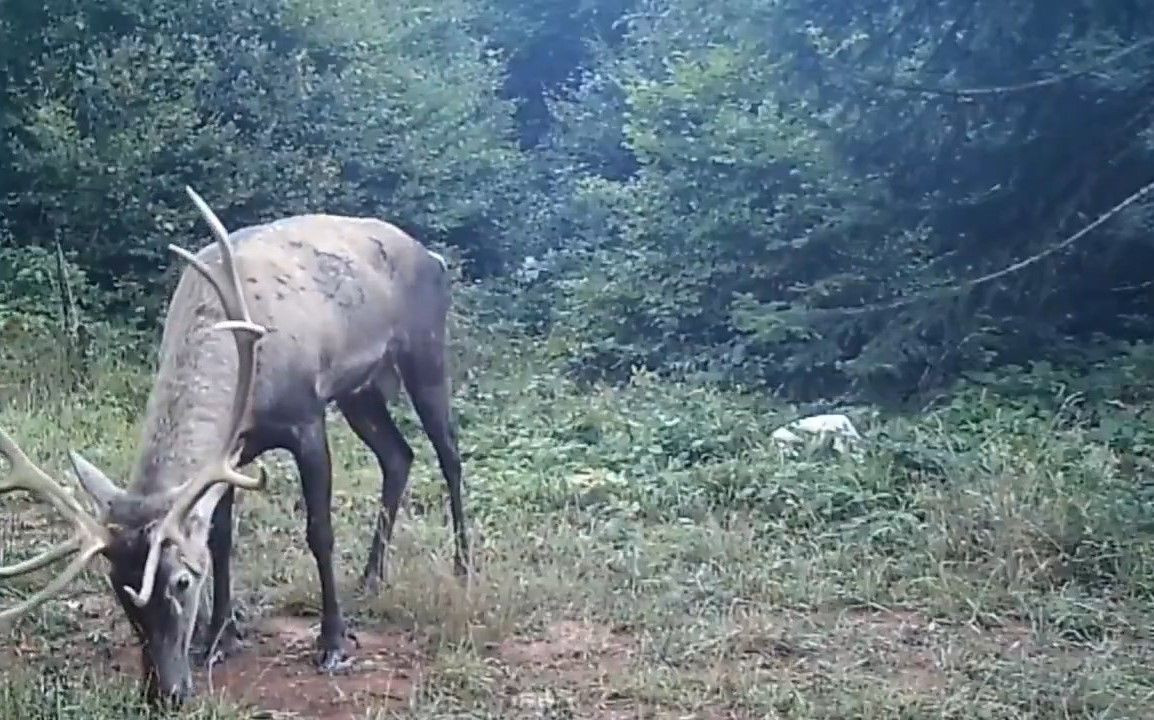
[1037, 496]
[30, 287]
[266, 110]
[547, 44]
[739, 204]
[743, 182]
[733, 190]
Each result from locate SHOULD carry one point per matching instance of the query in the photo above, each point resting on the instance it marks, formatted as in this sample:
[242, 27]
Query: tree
[267, 108]
[799, 162]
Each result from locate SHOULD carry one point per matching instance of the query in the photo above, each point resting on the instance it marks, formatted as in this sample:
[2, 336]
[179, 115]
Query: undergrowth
[992, 557]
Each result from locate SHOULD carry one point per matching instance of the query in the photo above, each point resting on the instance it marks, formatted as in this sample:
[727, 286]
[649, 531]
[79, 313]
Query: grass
[646, 551]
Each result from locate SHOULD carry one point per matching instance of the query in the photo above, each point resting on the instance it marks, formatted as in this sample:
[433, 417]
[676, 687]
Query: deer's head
[155, 544]
[162, 610]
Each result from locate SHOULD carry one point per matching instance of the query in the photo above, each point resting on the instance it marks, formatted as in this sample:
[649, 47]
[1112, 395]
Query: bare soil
[274, 672]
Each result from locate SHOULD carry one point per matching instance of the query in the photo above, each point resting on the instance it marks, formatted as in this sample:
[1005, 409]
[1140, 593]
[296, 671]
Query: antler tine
[89, 537]
[25, 475]
[227, 284]
[44, 559]
[57, 583]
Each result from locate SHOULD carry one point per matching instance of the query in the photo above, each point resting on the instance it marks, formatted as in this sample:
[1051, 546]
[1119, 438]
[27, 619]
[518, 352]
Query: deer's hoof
[333, 661]
[334, 657]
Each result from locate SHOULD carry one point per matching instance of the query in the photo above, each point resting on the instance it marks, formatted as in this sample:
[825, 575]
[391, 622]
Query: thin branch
[969, 93]
[946, 291]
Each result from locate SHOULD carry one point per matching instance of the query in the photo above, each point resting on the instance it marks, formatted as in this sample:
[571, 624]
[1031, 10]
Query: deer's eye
[181, 582]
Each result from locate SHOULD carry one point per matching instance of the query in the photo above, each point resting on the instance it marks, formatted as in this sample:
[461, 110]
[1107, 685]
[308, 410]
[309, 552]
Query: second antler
[88, 538]
[225, 280]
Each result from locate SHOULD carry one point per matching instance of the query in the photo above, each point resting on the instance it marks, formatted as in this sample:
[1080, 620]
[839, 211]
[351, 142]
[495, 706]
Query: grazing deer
[342, 309]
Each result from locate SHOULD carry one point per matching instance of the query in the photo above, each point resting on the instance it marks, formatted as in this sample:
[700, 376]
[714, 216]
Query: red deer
[320, 309]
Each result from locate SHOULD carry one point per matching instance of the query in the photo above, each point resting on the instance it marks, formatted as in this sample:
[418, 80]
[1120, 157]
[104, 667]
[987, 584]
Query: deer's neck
[188, 410]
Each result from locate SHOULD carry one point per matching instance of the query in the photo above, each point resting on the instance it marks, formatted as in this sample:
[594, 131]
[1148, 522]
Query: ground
[273, 677]
[647, 552]
[575, 664]
[690, 630]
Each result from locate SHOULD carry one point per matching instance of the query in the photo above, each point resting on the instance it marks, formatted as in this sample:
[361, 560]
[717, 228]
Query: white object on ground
[819, 427]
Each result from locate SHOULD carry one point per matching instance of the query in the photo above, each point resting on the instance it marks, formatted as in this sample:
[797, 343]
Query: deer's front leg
[315, 465]
[222, 638]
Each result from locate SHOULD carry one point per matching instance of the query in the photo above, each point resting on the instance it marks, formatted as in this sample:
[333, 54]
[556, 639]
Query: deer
[321, 309]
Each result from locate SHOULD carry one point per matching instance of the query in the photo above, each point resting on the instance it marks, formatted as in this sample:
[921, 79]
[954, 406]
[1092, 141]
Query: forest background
[738, 191]
[674, 225]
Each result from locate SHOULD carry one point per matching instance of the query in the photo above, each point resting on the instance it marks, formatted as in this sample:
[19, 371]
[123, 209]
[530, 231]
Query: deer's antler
[88, 539]
[225, 280]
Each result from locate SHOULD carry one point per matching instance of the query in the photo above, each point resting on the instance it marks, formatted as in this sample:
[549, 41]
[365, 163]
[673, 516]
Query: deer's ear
[98, 485]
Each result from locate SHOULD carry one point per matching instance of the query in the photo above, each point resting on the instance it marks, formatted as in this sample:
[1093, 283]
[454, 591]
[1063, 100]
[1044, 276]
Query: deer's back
[337, 294]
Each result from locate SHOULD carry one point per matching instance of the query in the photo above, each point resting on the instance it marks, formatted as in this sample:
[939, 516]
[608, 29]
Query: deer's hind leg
[368, 415]
[427, 382]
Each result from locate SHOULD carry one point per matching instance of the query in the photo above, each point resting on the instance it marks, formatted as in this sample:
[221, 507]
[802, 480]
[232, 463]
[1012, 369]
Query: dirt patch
[576, 652]
[274, 673]
[571, 668]
[279, 675]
